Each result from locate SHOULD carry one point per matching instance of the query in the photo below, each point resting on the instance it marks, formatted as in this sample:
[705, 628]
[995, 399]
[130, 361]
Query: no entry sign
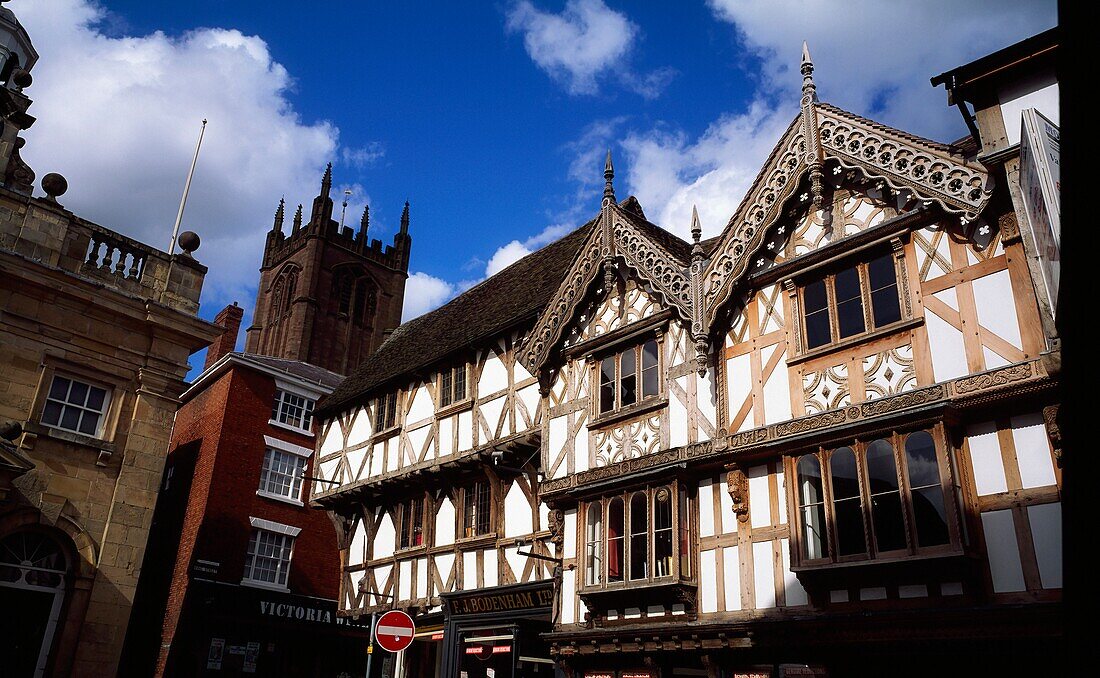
[394, 631]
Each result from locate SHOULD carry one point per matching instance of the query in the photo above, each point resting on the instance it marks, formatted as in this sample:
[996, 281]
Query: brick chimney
[229, 318]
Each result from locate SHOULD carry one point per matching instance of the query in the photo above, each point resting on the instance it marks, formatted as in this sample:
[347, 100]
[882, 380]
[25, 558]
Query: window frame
[485, 512]
[405, 520]
[829, 277]
[280, 402]
[897, 438]
[642, 401]
[297, 485]
[377, 415]
[680, 531]
[453, 401]
[103, 421]
[287, 543]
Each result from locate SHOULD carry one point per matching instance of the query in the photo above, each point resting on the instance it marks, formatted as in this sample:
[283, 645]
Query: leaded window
[477, 508]
[385, 411]
[850, 302]
[410, 519]
[452, 385]
[630, 376]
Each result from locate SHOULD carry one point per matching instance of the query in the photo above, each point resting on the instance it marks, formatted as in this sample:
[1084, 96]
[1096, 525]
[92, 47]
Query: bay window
[629, 376]
[850, 302]
[885, 497]
[639, 536]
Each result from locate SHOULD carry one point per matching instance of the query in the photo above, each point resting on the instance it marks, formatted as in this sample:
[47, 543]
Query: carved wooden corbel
[555, 522]
[1054, 431]
[737, 484]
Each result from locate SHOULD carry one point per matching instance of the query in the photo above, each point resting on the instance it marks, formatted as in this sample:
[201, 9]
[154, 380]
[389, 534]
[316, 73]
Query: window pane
[639, 554]
[888, 521]
[886, 514]
[615, 525]
[446, 387]
[59, 389]
[920, 453]
[847, 509]
[484, 510]
[78, 394]
[96, 396]
[885, 306]
[460, 383]
[607, 384]
[817, 314]
[849, 303]
[882, 472]
[594, 537]
[51, 414]
[930, 516]
[685, 535]
[811, 500]
[89, 421]
[881, 272]
[650, 376]
[70, 417]
[662, 532]
[629, 378]
[842, 463]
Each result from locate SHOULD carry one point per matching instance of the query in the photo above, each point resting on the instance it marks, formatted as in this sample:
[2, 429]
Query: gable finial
[608, 175]
[297, 220]
[696, 228]
[809, 89]
[278, 226]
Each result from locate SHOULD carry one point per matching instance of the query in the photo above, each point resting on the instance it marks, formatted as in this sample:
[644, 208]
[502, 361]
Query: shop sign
[802, 671]
[214, 657]
[637, 674]
[205, 569]
[599, 674]
[503, 602]
[305, 613]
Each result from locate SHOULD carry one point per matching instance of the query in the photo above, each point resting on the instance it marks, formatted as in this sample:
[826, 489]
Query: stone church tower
[326, 296]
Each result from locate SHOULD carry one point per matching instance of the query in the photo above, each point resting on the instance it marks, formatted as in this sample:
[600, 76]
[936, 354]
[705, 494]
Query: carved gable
[627, 302]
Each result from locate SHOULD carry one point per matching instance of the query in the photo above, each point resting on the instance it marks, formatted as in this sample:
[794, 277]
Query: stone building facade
[95, 333]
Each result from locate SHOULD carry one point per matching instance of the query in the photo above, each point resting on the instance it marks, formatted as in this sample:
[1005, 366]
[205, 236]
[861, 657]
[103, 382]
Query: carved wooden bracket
[737, 484]
[1054, 431]
[555, 522]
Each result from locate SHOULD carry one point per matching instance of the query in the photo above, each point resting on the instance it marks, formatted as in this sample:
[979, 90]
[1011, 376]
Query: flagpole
[186, 189]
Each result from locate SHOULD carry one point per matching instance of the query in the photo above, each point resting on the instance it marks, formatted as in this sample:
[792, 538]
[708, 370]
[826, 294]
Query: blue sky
[491, 118]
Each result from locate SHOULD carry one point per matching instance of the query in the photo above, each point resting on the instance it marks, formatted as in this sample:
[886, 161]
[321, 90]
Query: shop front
[494, 632]
[232, 630]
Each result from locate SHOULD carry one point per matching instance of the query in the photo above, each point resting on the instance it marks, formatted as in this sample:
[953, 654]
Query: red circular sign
[394, 631]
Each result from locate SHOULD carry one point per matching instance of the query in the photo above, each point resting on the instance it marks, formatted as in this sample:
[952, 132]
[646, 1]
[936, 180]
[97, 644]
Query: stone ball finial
[54, 185]
[22, 78]
[188, 241]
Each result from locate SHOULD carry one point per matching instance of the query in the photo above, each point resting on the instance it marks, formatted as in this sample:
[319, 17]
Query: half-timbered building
[823, 442]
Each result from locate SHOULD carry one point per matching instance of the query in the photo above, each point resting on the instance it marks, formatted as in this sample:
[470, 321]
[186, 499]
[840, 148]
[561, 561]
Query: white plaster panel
[781, 488]
[708, 582]
[377, 455]
[569, 538]
[417, 438]
[1029, 436]
[1003, 551]
[469, 570]
[677, 418]
[422, 576]
[985, 458]
[362, 428]
[381, 574]
[490, 556]
[759, 502]
[334, 439]
[777, 389]
[404, 580]
[705, 400]
[544, 515]
[384, 538]
[446, 436]
[792, 587]
[422, 405]
[515, 561]
[1033, 93]
[444, 564]
[763, 573]
[731, 562]
[739, 380]
[725, 506]
[465, 430]
[996, 306]
[559, 427]
[517, 512]
[946, 344]
[529, 396]
[992, 360]
[393, 461]
[1046, 533]
[355, 462]
[358, 549]
[329, 469]
[491, 411]
[913, 591]
[519, 372]
[580, 450]
[568, 597]
[706, 509]
[445, 523]
[494, 377]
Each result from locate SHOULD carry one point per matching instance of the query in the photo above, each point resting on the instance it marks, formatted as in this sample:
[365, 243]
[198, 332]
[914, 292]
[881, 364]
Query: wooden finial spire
[809, 89]
[608, 186]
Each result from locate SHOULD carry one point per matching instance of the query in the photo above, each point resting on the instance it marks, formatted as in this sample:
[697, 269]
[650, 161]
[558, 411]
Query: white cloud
[119, 116]
[364, 156]
[879, 69]
[587, 41]
[425, 292]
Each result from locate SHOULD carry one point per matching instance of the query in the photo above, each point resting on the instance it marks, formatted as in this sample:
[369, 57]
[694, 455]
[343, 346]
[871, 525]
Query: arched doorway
[33, 570]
